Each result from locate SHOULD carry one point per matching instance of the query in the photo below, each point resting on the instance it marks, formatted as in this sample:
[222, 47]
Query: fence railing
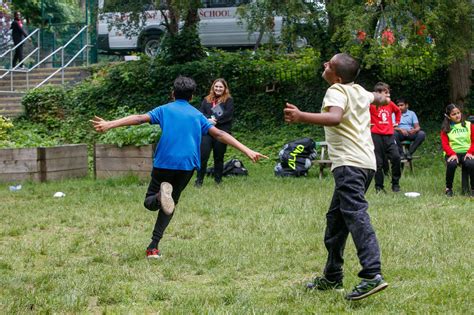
[63, 62]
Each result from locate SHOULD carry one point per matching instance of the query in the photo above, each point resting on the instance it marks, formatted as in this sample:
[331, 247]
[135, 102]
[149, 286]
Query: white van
[218, 27]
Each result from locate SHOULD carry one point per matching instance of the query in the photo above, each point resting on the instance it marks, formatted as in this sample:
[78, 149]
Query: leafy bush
[45, 105]
[25, 134]
[132, 135]
[5, 125]
[260, 83]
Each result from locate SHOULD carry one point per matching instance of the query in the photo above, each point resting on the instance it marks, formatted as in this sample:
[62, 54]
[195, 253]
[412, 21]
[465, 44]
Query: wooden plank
[18, 166]
[65, 174]
[109, 174]
[78, 162]
[18, 154]
[124, 164]
[66, 151]
[106, 150]
[18, 177]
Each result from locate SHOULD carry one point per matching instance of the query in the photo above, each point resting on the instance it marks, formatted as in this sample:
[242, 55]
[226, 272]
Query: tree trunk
[459, 80]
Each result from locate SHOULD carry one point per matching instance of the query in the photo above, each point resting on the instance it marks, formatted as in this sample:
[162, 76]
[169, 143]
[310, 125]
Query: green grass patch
[246, 246]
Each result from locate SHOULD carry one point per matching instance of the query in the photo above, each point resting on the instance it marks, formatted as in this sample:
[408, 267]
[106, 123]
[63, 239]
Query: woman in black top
[17, 33]
[218, 107]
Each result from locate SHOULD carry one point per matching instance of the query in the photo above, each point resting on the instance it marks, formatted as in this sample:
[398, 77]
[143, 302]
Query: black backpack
[233, 167]
[296, 158]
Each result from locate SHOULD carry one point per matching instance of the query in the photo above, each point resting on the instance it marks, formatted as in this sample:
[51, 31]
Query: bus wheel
[152, 45]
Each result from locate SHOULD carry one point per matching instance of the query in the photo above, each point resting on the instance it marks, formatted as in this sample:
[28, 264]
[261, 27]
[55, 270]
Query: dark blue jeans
[348, 214]
[179, 180]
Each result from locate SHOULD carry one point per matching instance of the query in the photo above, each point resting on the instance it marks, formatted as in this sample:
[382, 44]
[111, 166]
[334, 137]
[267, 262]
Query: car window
[223, 3]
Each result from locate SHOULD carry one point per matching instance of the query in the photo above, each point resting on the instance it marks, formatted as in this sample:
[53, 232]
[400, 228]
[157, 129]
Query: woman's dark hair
[446, 125]
[183, 88]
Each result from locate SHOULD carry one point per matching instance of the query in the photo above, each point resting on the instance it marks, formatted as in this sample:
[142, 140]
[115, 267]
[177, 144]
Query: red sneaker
[153, 253]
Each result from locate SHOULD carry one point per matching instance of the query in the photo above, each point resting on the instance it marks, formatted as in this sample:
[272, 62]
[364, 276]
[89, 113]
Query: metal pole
[39, 46]
[62, 66]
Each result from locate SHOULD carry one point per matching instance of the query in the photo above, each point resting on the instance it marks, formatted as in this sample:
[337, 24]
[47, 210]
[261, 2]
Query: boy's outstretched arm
[101, 125]
[330, 118]
[226, 138]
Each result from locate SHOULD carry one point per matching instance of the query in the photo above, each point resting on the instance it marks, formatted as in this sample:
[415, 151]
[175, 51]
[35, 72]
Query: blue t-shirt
[182, 128]
[408, 120]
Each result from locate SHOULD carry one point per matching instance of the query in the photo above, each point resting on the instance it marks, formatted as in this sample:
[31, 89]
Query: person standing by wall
[18, 33]
[218, 107]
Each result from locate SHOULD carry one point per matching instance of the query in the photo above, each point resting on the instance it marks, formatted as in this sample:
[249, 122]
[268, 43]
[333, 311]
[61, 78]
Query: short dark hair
[184, 88]
[347, 68]
[401, 100]
[381, 86]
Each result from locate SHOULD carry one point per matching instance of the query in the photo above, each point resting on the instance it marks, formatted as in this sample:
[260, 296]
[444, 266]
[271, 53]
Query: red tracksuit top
[381, 118]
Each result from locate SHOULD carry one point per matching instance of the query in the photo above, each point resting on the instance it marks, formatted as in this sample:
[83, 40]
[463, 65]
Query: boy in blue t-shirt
[408, 129]
[177, 154]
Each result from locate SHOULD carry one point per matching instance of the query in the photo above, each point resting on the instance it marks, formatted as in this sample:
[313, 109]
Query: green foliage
[5, 125]
[55, 11]
[132, 135]
[25, 134]
[45, 105]
[182, 47]
[260, 82]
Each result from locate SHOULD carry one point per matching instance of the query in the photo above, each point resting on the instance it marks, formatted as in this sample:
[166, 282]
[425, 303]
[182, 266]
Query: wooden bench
[323, 160]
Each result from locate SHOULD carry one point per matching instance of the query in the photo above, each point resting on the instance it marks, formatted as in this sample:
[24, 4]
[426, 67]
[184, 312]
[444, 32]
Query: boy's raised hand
[99, 124]
[292, 113]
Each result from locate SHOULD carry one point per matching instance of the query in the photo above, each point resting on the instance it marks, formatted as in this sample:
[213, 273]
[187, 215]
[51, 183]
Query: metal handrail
[63, 66]
[20, 43]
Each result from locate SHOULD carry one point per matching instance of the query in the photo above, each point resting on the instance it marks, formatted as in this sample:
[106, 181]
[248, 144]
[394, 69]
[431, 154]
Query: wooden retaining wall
[112, 161]
[42, 164]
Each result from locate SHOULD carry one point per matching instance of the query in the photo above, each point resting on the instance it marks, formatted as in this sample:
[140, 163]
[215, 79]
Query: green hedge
[261, 84]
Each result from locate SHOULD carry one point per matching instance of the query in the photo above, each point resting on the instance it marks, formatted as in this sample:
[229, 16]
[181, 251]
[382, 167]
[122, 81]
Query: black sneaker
[449, 192]
[321, 283]
[395, 188]
[367, 287]
[380, 190]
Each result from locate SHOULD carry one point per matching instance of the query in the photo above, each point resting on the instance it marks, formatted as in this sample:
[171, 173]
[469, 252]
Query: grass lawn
[247, 246]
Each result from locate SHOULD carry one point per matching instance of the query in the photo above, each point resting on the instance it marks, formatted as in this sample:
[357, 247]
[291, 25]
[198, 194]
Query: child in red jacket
[457, 140]
[384, 139]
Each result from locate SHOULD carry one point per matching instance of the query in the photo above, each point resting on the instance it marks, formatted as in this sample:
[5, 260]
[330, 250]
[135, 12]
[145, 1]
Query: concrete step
[35, 75]
[10, 101]
[33, 83]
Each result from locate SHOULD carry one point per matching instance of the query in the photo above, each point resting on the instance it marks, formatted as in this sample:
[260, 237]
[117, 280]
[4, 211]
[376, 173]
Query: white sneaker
[165, 198]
